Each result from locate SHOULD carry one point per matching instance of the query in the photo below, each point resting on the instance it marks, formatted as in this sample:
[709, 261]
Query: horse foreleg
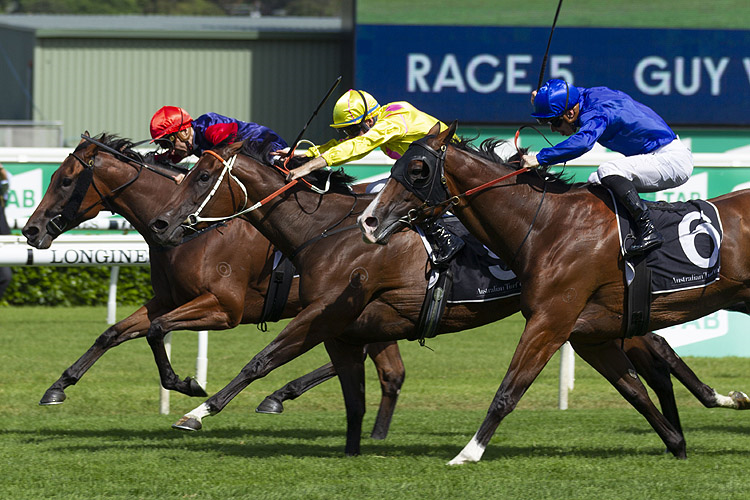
[610, 360]
[295, 339]
[349, 362]
[391, 372]
[134, 326]
[537, 345]
[295, 388]
[202, 313]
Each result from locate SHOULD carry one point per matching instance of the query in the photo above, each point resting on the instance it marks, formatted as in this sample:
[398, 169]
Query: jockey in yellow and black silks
[365, 126]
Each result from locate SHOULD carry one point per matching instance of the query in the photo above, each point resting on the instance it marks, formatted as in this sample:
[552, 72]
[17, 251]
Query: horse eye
[418, 172]
[67, 181]
[204, 177]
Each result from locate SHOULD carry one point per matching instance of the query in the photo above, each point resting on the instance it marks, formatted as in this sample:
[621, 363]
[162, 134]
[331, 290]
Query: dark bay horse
[561, 241]
[343, 281]
[205, 283]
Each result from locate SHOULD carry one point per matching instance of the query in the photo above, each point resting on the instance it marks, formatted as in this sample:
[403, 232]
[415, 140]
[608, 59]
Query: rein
[444, 206]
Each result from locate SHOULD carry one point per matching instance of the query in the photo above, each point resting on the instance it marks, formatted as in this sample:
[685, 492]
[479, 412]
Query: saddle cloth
[478, 274]
[689, 256]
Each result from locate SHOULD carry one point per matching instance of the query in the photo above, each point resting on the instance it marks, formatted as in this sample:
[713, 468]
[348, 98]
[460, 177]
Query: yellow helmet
[354, 107]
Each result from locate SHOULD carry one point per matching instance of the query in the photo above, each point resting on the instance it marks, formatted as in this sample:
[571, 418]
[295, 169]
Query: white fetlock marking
[472, 452]
[199, 413]
[724, 401]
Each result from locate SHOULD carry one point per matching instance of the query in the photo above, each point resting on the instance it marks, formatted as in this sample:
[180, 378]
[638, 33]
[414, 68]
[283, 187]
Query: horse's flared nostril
[30, 232]
[370, 223]
[159, 226]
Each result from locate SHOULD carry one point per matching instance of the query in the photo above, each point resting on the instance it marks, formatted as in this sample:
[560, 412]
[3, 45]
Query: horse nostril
[159, 225]
[30, 232]
[371, 222]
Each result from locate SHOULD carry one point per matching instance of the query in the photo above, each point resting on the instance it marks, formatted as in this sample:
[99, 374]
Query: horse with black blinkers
[562, 242]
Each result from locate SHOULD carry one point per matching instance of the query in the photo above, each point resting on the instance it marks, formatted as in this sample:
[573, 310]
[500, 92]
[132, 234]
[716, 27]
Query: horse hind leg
[273, 403]
[655, 370]
[707, 395]
[610, 361]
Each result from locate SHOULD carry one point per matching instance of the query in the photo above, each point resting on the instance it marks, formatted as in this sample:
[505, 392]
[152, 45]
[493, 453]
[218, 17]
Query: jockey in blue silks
[655, 159]
[195, 136]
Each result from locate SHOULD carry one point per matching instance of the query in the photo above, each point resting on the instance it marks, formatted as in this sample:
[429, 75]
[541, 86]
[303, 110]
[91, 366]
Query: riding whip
[296, 141]
[546, 53]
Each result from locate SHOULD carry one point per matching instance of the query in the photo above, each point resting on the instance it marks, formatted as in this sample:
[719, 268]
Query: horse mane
[487, 151]
[340, 181]
[126, 148]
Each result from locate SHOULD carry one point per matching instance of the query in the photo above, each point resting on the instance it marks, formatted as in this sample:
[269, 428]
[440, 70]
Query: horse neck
[502, 215]
[297, 215]
[138, 202]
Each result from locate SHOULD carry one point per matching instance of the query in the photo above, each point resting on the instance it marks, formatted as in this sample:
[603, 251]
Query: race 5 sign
[484, 74]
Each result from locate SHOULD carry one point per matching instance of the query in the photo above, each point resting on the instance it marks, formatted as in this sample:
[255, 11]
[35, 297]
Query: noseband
[195, 217]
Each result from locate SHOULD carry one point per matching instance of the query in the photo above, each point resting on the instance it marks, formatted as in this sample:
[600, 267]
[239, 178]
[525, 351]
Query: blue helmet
[554, 98]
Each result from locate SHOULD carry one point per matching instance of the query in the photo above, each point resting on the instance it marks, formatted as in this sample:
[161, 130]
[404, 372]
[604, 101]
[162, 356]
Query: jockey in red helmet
[654, 158]
[190, 136]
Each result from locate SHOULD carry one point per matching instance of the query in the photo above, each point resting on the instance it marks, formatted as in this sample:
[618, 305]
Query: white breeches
[667, 167]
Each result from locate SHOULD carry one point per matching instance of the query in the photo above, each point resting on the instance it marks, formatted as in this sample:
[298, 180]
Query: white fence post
[163, 393]
[567, 375]
[201, 361]
[114, 273]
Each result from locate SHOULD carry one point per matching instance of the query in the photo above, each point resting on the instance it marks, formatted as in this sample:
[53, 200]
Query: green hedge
[76, 286]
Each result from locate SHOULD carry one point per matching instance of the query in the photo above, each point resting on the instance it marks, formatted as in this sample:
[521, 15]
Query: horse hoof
[52, 397]
[379, 434]
[739, 397]
[270, 405]
[195, 388]
[187, 424]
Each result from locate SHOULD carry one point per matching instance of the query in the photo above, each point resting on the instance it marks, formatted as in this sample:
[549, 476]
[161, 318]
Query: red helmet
[168, 120]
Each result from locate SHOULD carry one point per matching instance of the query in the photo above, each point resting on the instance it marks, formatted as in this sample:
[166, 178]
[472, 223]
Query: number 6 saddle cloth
[689, 256]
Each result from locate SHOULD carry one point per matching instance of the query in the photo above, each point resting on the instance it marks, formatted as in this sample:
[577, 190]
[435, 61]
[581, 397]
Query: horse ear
[435, 130]
[86, 133]
[446, 136]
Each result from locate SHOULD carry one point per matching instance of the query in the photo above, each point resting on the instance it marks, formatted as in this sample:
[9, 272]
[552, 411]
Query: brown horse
[561, 241]
[343, 281]
[204, 283]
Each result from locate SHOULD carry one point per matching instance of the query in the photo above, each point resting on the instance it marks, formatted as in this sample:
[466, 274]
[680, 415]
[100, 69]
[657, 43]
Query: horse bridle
[437, 207]
[60, 223]
[195, 217]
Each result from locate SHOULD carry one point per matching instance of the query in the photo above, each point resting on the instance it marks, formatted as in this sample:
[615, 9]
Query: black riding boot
[444, 243]
[647, 237]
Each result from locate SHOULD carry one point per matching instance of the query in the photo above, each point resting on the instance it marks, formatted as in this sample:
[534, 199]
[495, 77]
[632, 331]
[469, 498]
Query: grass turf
[108, 440]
